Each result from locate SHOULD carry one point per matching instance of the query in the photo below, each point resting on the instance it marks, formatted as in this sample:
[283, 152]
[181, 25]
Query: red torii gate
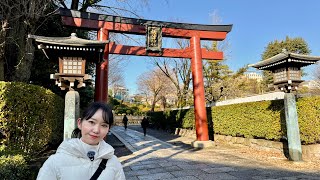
[104, 24]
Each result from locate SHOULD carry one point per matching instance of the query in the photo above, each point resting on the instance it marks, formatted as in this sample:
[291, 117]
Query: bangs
[106, 112]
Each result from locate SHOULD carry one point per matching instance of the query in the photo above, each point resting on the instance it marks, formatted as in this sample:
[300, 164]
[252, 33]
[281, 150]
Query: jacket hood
[75, 148]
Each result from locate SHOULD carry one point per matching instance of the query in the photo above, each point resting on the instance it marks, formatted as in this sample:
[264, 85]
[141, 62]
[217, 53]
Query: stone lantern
[72, 53]
[286, 69]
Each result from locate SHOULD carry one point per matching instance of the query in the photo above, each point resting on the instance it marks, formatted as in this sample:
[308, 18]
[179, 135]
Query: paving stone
[132, 178]
[302, 177]
[174, 163]
[154, 159]
[157, 170]
[184, 178]
[156, 176]
[127, 168]
[280, 174]
[187, 173]
[144, 166]
[218, 170]
[217, 176]
[247, 174]
[172, 168]
[195, 166]
[137, 173]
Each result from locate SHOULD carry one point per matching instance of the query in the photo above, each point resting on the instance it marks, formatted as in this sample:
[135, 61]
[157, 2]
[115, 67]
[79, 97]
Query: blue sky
[255, 24]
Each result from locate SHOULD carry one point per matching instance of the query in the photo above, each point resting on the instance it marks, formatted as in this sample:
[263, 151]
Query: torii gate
[104, 24]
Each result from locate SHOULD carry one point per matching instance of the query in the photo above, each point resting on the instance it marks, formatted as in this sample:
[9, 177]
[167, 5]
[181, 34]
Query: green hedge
[15, 167]
[169, 120]
[309, 119]
[31, 117]
[250, 120]
[265, 119]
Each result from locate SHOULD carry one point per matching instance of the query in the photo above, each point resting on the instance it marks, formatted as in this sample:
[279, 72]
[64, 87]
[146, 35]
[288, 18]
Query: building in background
[312, 84]
[253, 75]
[120, 93]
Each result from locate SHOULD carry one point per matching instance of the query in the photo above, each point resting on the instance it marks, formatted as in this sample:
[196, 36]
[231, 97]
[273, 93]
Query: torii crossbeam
[104, 24]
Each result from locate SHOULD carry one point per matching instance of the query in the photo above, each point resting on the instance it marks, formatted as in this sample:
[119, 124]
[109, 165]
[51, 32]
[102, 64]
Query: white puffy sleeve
[48, 170]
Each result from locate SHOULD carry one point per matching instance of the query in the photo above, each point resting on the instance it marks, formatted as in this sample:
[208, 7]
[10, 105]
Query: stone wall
[308, 151]
[262, 97]
[131, 119]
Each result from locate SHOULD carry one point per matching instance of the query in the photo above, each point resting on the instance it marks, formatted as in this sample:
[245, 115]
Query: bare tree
[178, 71]
[155, 86]
[313, 89]
[316, 73]
[18, 18]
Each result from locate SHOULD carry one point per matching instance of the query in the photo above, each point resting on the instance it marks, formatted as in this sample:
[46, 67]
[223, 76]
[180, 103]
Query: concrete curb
[155, 139]
[133, 150]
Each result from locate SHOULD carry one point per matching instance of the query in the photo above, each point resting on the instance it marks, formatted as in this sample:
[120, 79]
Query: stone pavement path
[175, 160]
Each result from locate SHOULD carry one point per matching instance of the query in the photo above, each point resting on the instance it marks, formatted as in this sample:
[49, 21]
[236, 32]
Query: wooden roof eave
[72, 40]
[283, 57]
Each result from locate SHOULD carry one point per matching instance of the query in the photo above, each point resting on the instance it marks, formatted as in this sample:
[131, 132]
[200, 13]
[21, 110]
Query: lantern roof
[71, 46]
[283, 59]
[72, 40]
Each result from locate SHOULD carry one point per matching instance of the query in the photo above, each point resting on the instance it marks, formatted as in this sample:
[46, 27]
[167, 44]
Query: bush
[169, 120]
[309, 119]
[250, 120]
[14, 167]
[31, 117]
[265, 119]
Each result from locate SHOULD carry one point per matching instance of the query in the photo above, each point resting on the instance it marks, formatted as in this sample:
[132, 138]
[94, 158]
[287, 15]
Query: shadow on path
[160, 156]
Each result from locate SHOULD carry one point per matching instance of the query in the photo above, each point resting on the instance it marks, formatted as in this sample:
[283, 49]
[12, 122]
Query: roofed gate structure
[154, 30]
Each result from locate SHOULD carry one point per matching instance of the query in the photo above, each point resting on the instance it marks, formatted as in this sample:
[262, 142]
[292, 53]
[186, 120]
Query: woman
[125, 121]
[144, 125]
[79, 158]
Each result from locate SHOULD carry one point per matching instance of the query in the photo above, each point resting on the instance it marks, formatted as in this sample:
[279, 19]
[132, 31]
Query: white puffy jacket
[71, 162]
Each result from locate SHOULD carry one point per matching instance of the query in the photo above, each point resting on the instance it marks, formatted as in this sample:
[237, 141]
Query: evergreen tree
[293, 45]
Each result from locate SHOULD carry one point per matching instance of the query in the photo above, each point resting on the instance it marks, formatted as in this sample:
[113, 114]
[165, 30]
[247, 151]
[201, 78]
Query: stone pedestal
[71, 113]
[293, 132]
[202, 144]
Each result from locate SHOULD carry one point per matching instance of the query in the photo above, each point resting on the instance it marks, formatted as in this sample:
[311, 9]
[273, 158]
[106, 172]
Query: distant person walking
[144, 125]
[125, 122]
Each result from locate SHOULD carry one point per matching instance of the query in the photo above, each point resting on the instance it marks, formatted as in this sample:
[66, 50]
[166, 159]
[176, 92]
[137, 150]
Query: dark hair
[107, 115]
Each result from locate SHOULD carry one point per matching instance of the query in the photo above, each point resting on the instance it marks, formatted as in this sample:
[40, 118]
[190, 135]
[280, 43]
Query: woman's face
[94, 129]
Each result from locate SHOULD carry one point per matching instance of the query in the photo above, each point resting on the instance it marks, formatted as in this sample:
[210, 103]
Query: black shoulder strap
[101, 167]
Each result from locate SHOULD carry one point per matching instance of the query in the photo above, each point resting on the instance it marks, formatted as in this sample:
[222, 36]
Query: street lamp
[286, 69]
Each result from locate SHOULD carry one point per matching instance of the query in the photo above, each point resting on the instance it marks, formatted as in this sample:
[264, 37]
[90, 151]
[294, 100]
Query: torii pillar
[101, 82]
[198, 90]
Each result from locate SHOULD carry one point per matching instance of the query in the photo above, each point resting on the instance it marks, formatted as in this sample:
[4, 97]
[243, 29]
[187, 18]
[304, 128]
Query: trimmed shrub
[309, 119]
[14, 167]
[264, 119]
[250, 120]
[31, 117]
